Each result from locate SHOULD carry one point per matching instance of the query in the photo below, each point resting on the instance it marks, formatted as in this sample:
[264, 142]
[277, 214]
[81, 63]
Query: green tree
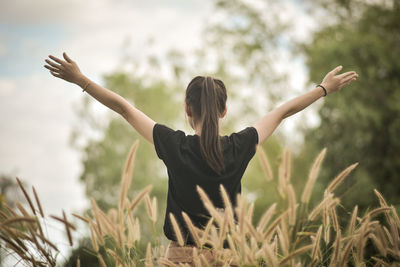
[362, 122]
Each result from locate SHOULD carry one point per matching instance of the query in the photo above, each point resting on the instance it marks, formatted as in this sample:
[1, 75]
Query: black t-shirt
[186, 169]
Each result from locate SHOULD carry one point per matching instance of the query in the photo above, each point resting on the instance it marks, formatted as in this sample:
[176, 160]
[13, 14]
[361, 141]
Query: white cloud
[35, 123]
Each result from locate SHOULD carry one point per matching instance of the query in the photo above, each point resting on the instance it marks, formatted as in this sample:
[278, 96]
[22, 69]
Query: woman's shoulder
[248, 135]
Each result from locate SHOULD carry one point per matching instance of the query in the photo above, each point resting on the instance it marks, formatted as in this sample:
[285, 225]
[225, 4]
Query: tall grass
[297, 235]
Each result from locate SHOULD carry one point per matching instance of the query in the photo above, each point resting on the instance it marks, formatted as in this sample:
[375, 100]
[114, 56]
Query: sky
[36, 109]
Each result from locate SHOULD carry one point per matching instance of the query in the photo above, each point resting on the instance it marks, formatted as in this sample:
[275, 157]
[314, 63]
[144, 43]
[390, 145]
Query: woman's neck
[197, 130]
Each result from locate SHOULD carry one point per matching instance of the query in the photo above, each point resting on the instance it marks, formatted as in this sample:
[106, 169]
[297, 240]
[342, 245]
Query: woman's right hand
[64, 69]
[333, 82]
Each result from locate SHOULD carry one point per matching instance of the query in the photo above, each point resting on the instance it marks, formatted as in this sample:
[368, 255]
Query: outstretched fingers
[57, 66]
[56, 59]
[55, 74]
[346, 74]
[67, 58]
[348, 80]
[51, 68]
[336, 70]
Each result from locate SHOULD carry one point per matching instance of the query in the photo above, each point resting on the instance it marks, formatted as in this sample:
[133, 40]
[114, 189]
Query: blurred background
[72, 148]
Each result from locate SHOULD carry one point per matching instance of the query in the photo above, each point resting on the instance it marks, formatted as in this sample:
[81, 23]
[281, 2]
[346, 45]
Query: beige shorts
[177, 254]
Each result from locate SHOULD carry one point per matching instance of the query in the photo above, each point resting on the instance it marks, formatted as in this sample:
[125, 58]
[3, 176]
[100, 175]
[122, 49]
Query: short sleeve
[245, 142]
[166, 140]
[249, 135]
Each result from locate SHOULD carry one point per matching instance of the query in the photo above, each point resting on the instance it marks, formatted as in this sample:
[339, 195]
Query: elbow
[288, 113]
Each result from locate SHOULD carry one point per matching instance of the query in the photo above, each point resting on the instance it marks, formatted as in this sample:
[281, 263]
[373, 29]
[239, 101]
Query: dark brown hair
[206, 100]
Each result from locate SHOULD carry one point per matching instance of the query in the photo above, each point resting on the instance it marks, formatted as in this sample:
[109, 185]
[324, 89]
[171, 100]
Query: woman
[204, 159]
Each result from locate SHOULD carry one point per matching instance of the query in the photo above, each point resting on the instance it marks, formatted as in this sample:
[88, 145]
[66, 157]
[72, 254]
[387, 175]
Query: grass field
[297, 235]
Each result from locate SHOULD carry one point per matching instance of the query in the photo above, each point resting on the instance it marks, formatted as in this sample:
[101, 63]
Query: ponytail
[207, 111]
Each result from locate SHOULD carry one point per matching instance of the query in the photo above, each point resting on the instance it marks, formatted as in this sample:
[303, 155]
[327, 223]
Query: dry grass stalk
[148, 261]
[154, 209]
[339, 179]
[287, 163]
[325, 202]
[270, 256]
[249, 213]
[271, 229]
[80, 217]
[176, 228]
[38, 202]
[111, 215]
[19, 220]
[382, 201]
[67, 229]
[130, 225]
[256, 235]
[265, 163]
[395, 234]
[205, 233]
[166, 262]
[316, 247]
[136, 201]
[209, 205]
[346, 253]
[388, 236]
[381, 262]
[213, 237]
[292, 205]
[284, 173]
[295, 253]
[375, 212]
[10, 210]
[102, 219]
[336, 249]
[26, 196]
[13, 245]
[193, 230]
[353, 220]
[240, 211]
[22, 210]
[361, 240]
[136, 230]
[149, 208]
[334, 219]
[227, 201]
[64, 221]
[283, 241]
[266, 217]
[222, 231]
[312, 177]
[395, 216]
[101, 260]
[379, 245]
[48, 242]
[93, 237]
[231, 244]
[127, 174]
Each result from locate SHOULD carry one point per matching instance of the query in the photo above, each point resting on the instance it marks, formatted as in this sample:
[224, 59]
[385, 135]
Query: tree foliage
[361, 123]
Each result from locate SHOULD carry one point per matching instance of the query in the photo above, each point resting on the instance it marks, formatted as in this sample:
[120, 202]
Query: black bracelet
[325, 92]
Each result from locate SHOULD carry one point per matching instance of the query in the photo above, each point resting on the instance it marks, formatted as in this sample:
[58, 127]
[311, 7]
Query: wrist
[322, 89]
[81, 81]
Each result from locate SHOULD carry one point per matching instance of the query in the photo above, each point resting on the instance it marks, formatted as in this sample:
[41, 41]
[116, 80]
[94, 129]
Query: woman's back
[187, 169]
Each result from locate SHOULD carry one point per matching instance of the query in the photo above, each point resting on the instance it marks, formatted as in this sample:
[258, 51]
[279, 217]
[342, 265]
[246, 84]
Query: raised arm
[331, 82]
[68, 70]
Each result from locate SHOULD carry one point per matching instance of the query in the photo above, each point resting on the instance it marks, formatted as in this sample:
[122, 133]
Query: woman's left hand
[64, 69]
